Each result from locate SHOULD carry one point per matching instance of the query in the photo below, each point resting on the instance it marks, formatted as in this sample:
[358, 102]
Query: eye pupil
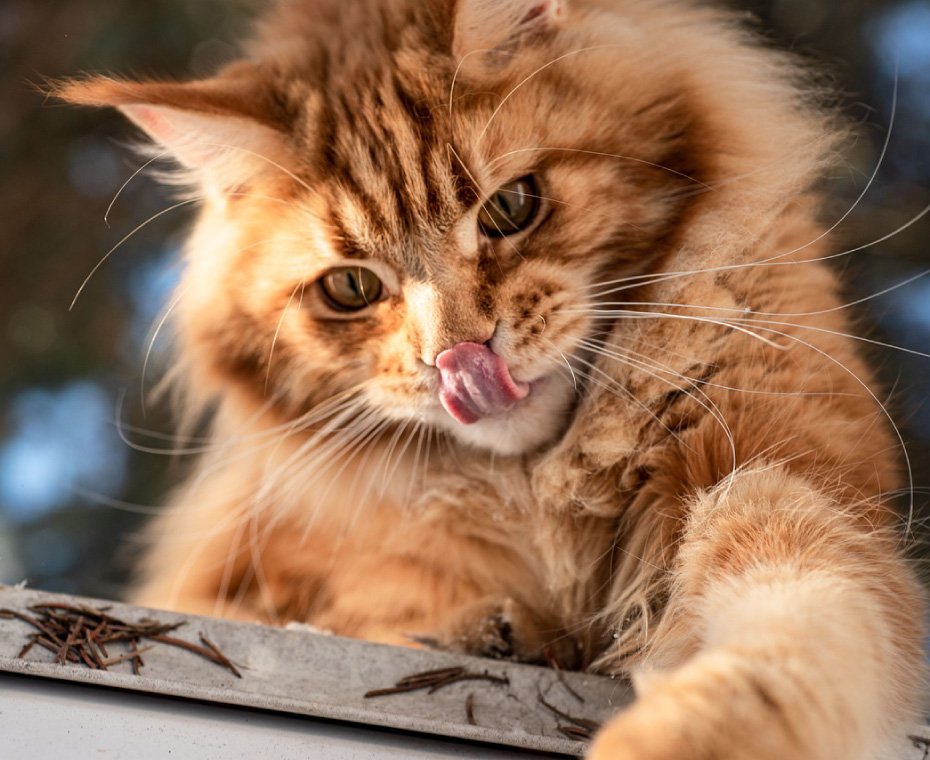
[511, 209]
[351, 288]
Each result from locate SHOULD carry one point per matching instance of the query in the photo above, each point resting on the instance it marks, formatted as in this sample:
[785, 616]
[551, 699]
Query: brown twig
[132, 655]
[26, 647]
[576, 732]
[221, 658]
[137, 661]
[72, 636]
[204, 652]
[469, 677]
[434, 680]
[78, 633]
[470, 709]
[553, 662]
[589, 726]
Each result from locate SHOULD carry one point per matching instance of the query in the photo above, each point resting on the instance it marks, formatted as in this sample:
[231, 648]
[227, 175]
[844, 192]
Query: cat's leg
[214, 551]
[197, 554]
[794, 631]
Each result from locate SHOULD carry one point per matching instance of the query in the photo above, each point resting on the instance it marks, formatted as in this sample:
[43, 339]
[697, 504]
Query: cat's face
[407, 216]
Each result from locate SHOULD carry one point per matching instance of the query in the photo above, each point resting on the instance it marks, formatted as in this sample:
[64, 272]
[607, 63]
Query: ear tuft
[213, 128]
[502, 25]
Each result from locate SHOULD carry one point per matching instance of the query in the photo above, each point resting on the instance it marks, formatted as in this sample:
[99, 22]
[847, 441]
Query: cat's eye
[511, 209]
[351, 288]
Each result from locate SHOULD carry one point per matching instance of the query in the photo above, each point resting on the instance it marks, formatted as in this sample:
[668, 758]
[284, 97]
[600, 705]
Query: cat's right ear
[488, 28]
[216, 130]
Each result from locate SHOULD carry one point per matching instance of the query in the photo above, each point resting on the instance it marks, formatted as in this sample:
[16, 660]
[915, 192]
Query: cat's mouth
[479, 401]
[475, 383]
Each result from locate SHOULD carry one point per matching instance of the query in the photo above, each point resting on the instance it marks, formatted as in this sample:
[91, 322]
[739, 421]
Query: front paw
[719, 706]
[635, 737]
[507, 630]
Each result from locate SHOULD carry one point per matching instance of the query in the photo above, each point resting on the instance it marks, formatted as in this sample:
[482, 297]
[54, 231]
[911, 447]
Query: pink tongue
[475, 383]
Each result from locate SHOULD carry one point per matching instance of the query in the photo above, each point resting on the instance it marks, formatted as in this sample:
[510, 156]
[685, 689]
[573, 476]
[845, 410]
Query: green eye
[351, 288]
[511, 209]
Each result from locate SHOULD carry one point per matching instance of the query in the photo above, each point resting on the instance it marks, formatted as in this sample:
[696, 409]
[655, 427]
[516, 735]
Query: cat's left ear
[215, 129]
[485, 27]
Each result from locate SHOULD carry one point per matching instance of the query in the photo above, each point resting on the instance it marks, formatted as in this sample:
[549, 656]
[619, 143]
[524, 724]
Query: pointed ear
[500, 26]
[216, 129]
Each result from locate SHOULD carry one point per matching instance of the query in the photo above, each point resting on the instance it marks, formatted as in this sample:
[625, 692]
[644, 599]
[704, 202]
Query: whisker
[710, 406]
[531, 76]
[300, 286]
[565, 359]
[754, 320]
[503, 237]
[650, 361]
[146, 223]
[849, 304]
[151, 345]
[458, 69]
[269, 161]
[118, 504]
[232, 554]
[634, 314]
[766, 326]
[109, 253]
[636, 281]
[136, 173]
[643, 161]
[387, 470]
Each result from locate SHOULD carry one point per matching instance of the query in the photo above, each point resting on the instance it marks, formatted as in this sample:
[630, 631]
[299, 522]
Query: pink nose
[475, 383]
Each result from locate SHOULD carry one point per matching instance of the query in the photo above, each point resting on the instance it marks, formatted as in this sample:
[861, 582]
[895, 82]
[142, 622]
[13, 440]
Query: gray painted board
[327, 676]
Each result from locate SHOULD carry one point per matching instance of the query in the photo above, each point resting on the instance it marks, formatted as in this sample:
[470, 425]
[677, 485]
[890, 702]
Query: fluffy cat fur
[694, 490]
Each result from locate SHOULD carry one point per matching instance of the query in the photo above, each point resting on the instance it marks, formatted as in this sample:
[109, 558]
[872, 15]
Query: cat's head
[410, 206]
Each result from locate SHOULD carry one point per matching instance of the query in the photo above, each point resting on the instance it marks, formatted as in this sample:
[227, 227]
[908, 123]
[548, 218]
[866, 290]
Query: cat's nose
[431, 351]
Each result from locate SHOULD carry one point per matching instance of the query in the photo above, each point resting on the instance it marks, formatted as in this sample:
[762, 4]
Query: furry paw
[719, 706]
[634, 739]
[506, 630]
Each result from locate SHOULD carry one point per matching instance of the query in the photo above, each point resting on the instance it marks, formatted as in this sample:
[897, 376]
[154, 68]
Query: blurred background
[73, 492]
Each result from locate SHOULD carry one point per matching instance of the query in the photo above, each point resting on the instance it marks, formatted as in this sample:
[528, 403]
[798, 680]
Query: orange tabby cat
[515, 323]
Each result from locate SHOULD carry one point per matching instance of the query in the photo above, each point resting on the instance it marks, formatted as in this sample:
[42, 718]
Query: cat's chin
[531, 424]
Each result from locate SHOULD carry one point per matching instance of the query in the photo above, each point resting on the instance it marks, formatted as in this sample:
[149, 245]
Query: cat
[514, 320]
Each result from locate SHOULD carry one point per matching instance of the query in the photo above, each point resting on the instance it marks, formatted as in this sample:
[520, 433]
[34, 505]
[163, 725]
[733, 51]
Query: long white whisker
[151, 346]
[636, 281]
[267, 160]
[564, 359]
[649, 361]
[386, 468]
[709, 406]
[232, 554]
[109, 253]
[458, 69]
[277, 330]
[478, 185]
[736, 322]
[766, 326]
[136, 173]
[602, 154]
[846, 305]
[531, 76]
[642, 314]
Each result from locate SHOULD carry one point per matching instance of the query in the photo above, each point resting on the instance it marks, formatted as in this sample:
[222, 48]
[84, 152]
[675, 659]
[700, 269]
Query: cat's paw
[720, 706]
[631, 738]
[506, 630]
